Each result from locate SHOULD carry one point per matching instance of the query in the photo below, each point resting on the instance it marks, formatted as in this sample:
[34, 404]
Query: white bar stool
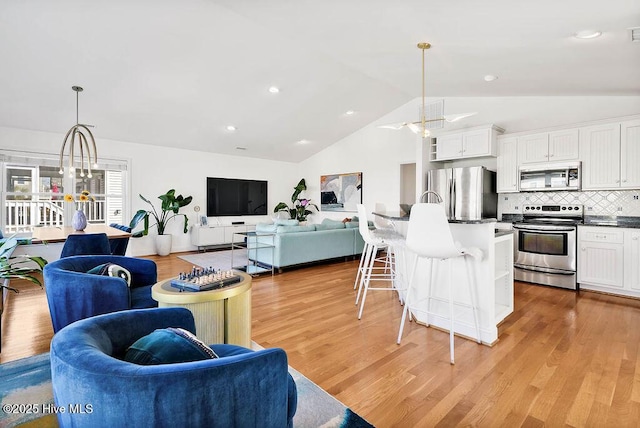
[367, 271]
[429, 237]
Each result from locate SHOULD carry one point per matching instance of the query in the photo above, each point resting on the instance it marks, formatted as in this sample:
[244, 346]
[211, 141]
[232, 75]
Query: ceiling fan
[420, 127]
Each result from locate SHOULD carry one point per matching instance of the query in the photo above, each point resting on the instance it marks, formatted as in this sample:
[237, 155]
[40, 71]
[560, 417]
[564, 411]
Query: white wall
[154, 170]
[378, 153]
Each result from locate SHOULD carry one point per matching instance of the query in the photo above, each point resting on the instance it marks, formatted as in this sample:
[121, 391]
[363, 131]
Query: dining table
[53, 234]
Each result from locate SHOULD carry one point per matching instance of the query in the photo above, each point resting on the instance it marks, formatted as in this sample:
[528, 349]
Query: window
[32, 192]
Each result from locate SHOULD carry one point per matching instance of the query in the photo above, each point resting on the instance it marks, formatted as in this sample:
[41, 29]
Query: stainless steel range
[546, 242]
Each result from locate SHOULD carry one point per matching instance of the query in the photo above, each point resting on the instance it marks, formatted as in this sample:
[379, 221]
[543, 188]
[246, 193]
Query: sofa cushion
[329, 224]
[112, 269]
[295, 229]
[286, 222]
[167, 346]
[266, 227]
[352, 224]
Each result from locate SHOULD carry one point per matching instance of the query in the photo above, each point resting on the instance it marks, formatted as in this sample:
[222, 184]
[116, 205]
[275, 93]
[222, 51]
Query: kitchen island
[493, 279]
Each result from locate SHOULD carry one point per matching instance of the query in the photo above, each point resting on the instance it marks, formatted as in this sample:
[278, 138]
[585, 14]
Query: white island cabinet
[493, 280]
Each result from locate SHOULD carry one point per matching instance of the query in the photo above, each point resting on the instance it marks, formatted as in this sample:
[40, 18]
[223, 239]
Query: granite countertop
[397, 216]
[481, 221]
[591, 220]
[612, 221]
[503, 232]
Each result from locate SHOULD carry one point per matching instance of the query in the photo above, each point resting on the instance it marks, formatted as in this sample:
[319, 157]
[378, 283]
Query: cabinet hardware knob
[551, 155]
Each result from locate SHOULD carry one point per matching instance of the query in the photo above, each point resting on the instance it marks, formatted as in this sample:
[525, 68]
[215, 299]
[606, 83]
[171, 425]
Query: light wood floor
[563, 358]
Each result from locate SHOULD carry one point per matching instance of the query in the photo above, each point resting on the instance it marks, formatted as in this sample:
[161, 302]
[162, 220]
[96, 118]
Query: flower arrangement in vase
[79, 220]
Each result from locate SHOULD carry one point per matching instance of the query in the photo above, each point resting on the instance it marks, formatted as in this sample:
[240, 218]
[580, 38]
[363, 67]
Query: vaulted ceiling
[177, 72]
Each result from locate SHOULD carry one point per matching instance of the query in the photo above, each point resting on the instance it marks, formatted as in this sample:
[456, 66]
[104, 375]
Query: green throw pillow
[287, 222]
[168, 346]
[112, 269]
[329, 224]
[296, 229]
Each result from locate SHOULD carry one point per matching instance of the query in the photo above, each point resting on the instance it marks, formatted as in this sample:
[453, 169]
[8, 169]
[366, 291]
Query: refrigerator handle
[452, 199]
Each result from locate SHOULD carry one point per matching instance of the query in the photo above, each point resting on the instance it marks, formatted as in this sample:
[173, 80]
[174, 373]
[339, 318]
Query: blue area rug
[27, 382]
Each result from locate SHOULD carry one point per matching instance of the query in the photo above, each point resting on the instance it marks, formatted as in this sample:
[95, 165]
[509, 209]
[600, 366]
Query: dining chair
[86, 244]
[429, 237]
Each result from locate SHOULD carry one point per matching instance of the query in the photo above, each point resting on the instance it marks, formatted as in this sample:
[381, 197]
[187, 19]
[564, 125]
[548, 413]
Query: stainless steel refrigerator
[468, 193]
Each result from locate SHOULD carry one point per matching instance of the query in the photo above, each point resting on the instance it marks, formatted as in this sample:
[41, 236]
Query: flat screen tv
[234, 197]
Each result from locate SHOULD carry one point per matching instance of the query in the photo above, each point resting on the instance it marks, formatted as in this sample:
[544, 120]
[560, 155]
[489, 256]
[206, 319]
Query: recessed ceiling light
[274, 89]
[304, 142]
[230, 128]
[587, 34]
[350, 112]
[490, 78]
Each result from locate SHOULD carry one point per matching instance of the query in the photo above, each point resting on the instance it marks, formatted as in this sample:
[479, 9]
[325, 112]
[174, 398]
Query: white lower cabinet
[205, 236]
[632, 259]
[609, 260]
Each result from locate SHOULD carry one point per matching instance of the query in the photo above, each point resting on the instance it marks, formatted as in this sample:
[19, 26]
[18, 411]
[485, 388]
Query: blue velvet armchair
[242, 388]
[74, 294]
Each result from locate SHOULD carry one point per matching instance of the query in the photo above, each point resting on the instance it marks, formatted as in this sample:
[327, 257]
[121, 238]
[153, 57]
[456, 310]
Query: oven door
[546, 248]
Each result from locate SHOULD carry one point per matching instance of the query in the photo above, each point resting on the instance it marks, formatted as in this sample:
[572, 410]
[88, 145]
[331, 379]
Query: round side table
[221, 316]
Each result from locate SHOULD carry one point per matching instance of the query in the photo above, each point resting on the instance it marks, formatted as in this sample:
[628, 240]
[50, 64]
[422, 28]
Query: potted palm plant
[169, 208]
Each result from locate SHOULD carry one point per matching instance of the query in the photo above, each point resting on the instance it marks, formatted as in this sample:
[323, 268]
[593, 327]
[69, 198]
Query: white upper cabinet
[600, 153]
[549, 146]
[507, 165]
[475, 142]
[630, 154]
[564, 145]
[449, 146]
[533, 148]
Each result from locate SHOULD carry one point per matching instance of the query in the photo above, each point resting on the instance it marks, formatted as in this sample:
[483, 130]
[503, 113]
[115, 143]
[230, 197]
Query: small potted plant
[169, 208]
[300, 209]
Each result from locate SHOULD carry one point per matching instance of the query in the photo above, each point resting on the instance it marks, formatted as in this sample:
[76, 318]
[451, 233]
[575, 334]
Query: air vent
[635, 34]
[433, 111]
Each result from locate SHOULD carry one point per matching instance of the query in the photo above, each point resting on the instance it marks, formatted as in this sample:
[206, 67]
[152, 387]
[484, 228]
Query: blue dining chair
[86, 244]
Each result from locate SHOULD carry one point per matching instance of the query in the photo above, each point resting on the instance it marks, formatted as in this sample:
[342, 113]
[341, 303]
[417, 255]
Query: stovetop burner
[557, 214]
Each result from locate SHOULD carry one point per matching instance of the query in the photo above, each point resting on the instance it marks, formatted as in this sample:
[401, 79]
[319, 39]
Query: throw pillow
[112, 269]
[266, 227]
[287, 222]
[329, 224]
[168, 346]
[295, 229]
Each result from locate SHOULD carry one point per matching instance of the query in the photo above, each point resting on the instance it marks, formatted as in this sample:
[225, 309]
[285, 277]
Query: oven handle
[545, 228]
[544, 270]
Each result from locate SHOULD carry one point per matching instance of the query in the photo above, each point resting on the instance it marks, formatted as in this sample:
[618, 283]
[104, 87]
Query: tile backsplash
[618, 202]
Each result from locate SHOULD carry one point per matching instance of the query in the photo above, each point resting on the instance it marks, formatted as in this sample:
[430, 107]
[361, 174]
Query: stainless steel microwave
[550, 177]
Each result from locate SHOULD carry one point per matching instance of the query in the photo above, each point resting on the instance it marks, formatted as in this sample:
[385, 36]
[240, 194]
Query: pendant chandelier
[421, 127]
[86, 146]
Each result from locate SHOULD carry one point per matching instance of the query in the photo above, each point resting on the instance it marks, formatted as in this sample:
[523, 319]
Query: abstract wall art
[340, 192]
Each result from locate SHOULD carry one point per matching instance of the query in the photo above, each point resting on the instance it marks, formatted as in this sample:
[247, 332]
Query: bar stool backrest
[363, 225]
[428, 234]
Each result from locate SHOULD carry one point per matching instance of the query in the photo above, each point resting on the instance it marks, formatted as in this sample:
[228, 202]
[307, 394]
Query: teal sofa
[300, 244]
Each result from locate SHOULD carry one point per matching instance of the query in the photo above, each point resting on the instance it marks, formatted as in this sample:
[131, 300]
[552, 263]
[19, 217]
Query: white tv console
[214, 235]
